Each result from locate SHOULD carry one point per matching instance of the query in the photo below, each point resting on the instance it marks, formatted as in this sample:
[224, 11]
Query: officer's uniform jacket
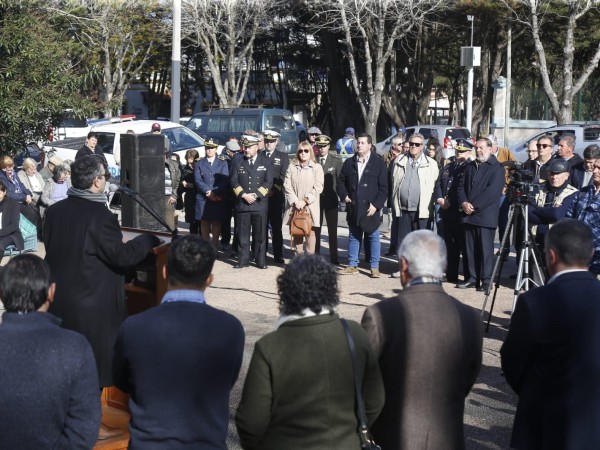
[257, 181]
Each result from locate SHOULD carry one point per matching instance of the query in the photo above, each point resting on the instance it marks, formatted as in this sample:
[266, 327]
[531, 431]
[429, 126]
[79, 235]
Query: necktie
[322, 161]
[251, 164]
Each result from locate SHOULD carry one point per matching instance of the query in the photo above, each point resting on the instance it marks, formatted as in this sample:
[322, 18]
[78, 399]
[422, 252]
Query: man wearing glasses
[87, 257]
[478, 193]
[413, 178]
[539, 168]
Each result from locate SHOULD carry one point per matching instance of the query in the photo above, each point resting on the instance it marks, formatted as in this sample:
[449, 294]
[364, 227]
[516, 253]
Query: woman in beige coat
[303, 185]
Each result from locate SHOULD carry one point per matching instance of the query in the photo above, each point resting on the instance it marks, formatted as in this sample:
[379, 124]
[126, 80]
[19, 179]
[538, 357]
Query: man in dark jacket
[180, 360]
[88, 258]
[550, 354]
[49, 395]
[479, 193]
[446, 195]
[251, 178]
[332, 166]
[362, 185]
[279, 162]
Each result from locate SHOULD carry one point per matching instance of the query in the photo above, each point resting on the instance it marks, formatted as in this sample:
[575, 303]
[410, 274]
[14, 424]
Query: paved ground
[251, 295]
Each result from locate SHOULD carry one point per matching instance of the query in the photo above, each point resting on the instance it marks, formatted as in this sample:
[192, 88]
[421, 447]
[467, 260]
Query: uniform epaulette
[201, 158]
[222, 158]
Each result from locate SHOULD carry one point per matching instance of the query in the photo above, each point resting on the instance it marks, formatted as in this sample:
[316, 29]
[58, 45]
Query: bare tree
[123, 33]
[225, 30]
[368, 31]
[536, 14]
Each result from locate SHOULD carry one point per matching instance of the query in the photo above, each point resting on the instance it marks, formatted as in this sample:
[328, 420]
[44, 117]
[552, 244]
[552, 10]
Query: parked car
[71, 126]
[448, 135]
[302, 135]
[584, 134]
[32, 150]
[180, 138]
[222, 123]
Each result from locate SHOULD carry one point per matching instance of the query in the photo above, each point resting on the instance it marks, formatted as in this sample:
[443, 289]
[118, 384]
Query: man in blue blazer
[551, 355]
[180, 359]
[362, 185]
[479, 192]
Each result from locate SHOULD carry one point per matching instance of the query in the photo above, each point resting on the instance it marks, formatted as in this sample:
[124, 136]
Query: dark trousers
[331, 216]
[275, 219]
[454, 237]
[226, 226]
[480, 252]
[407, 222]
[257, 222]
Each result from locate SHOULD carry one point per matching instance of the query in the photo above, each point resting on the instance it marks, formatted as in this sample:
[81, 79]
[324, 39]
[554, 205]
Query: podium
[145, 285]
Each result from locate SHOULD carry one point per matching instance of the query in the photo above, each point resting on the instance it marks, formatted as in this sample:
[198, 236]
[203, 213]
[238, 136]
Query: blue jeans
[355, 239]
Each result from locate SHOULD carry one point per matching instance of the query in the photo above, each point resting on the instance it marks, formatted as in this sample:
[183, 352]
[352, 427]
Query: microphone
[127, 191]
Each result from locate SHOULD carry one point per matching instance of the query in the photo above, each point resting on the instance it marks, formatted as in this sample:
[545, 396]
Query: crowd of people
[466, 198]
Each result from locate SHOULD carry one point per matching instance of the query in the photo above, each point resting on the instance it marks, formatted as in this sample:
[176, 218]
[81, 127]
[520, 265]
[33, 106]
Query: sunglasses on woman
[303, 151]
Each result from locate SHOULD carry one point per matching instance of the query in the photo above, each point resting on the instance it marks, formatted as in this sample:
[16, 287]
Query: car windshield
[106, 142]
[458, 133]
[180, 138]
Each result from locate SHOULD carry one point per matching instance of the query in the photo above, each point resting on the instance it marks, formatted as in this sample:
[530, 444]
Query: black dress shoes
[240, 266]
[264, 266]
[484, 287]
[467, 285]
[279, 260]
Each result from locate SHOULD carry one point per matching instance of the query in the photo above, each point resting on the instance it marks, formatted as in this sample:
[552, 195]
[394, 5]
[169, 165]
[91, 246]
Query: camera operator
[552, 201]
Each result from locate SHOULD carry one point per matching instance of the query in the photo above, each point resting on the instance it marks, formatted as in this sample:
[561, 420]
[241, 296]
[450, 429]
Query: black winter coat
[87, 256]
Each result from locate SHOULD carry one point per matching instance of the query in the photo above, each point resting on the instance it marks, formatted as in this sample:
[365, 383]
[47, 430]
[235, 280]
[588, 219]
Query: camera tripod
[518, 211]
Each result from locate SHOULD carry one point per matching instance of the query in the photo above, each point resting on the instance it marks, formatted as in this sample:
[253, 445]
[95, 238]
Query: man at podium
[87, 256]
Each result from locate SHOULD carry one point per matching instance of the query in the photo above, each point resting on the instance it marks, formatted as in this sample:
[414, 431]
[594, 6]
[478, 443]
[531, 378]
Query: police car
[181, 139]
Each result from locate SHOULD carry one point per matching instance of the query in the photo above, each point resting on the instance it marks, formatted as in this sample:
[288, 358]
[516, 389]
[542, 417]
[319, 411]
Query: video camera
[521, 188]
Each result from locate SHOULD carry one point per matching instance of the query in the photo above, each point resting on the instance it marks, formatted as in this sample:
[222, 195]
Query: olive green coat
[299, 391]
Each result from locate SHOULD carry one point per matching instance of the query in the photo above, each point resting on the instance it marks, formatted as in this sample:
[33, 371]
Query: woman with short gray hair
[56, 187]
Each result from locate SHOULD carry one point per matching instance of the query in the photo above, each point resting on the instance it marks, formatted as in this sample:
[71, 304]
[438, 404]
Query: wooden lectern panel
[144, 289]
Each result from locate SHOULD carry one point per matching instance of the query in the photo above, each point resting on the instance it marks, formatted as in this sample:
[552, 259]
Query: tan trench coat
[303, 183]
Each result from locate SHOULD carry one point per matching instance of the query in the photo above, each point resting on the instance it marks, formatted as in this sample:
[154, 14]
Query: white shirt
[362, 163]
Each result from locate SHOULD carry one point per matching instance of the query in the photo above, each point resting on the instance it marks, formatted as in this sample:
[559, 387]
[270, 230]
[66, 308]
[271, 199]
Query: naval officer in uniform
[279, 162]
[251, 178]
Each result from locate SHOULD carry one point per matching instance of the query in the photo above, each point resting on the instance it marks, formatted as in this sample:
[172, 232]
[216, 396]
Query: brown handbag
[301, 223]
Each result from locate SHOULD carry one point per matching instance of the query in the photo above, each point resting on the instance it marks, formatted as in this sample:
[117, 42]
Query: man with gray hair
[429, 349]
[412, 181]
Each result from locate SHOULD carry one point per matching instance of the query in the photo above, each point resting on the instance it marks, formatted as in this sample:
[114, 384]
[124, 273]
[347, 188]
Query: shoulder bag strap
[360, 405]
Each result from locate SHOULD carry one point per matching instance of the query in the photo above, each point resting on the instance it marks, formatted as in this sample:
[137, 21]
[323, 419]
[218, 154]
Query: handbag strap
[360, 405]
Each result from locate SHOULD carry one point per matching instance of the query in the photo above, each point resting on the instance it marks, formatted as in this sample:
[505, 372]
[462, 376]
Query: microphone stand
[133, 195]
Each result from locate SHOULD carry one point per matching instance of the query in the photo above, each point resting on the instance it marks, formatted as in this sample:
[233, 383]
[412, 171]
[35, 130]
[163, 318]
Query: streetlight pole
[176, 62]
[470, 84]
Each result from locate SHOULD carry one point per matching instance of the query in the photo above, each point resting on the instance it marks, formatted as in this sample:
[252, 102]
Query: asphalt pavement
[250, 294]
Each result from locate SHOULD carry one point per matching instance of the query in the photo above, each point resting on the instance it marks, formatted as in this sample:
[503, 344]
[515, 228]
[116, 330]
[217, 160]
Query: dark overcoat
[429, 348]
[550, 357]
[482, 185]
[372, 188]
[331, 170]
[215, 178]
[10, 222]
[299, 391]
[87, 256]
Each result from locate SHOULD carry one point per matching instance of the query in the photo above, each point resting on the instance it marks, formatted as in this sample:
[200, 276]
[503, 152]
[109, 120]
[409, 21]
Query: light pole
[176, 62]
[470, 84]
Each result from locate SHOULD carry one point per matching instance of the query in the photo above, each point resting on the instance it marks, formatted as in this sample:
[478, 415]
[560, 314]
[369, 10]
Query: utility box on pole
[470, 56]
